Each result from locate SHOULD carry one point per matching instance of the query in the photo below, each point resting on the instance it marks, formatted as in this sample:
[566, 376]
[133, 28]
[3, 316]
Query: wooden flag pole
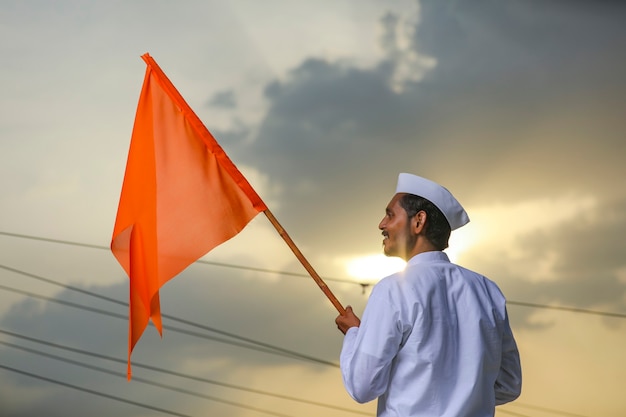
[320, 282]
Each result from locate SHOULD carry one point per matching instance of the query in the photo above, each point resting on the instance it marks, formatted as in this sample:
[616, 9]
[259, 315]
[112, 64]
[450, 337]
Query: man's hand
[347, 320]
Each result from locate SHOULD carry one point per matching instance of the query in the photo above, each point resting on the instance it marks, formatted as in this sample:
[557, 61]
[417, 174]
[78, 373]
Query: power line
[66, 286]
[362, 284]
[277, 351]
[90, 391]
[173, 318]
[170, 372]
[141, 380]
[222, 384]
[549, 410]
[570, 309]
[45, 239]
[513, 413]
[289, 353]
[157, 369]
[201, 261]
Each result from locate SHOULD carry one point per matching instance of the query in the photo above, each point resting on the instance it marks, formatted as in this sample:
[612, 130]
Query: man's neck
[421, 245]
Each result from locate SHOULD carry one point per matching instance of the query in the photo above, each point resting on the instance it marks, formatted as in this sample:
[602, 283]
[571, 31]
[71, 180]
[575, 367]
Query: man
[435, 338]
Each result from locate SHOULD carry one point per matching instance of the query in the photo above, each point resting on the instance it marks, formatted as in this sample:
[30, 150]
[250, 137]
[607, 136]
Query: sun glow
[460, 241]
[374, 267]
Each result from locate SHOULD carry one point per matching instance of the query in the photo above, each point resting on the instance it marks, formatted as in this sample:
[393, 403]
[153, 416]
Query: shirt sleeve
[368, 351]
[508, 385]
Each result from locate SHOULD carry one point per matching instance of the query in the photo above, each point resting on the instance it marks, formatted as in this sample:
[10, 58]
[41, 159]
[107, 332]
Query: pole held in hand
[320, 282]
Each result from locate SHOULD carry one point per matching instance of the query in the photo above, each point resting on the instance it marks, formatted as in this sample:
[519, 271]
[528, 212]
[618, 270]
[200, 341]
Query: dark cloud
[577, 264]
[524, 98]
[257, 306]
[321, 143]
[526, 101]
[224, 99]
[218, 293]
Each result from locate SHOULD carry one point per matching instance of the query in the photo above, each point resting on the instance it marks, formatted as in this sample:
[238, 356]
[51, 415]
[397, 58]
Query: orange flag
[181, 197]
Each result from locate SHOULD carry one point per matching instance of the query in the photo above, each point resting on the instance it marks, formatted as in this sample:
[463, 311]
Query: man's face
[398, 240]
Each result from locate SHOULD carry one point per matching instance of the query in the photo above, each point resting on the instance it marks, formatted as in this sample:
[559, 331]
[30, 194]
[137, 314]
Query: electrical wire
[141, 380]
[269, 350]
[139, 365]
[513, 413]
[90, 391]
[548, 410]
[173, 318]
[278, 351]
[166, 371]
[201, 261]
[363, 285]
[570, 309]
[213, 382]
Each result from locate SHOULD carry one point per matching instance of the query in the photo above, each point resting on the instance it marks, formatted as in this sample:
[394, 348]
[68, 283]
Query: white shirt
[434, 340]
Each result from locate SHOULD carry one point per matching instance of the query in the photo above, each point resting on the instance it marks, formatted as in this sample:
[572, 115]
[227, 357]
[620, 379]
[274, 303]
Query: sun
[373, 267]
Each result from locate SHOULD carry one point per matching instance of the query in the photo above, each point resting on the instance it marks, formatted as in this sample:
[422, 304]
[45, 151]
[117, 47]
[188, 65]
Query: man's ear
[418, 222]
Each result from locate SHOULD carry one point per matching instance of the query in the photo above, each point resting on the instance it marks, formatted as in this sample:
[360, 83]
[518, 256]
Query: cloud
[233, 301]
[525, 91]
[516, 106]
[586, 259]
[224, 98]
[508, 113]
[571, 261]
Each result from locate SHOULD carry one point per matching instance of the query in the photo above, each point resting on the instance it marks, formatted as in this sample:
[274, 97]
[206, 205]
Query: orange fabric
[181, 197]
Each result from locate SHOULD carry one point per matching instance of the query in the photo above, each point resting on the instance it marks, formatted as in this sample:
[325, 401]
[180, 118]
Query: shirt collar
[432, 256]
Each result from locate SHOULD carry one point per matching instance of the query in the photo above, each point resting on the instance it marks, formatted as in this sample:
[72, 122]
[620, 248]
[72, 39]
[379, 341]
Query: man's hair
[437, 229]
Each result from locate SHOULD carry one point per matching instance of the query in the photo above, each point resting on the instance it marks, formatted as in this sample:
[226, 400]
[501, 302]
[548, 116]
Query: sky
[517, 107]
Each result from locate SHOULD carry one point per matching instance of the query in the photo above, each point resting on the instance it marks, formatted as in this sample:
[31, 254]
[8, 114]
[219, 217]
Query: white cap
[436, 194]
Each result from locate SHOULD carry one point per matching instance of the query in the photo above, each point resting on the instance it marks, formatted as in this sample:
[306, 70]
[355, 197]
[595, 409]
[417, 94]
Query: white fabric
[436, 194]
[434, 341]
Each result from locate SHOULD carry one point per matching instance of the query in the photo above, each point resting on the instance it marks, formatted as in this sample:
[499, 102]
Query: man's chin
[388, 252]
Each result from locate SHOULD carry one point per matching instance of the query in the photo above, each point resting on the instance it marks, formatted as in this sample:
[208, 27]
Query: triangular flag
[181, 197]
